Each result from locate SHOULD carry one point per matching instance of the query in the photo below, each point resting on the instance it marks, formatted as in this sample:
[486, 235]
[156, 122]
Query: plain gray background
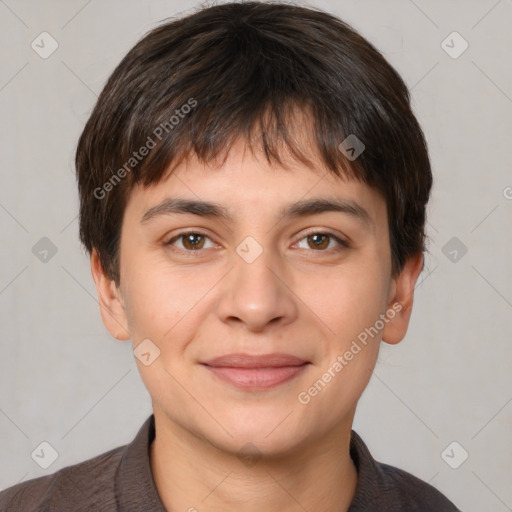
[65, 381]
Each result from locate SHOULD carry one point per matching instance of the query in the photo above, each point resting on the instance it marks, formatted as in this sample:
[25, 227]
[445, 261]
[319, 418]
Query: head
[254, 107]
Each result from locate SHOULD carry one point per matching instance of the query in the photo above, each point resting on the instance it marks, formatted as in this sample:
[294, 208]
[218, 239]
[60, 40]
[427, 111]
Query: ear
[112, 308]
[401, 299]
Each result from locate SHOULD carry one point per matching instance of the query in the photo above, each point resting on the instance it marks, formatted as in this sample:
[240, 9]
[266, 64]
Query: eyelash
[342, 243]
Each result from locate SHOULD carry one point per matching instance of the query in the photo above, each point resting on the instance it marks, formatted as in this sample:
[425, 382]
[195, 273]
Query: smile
[255, 379]
[256, 373]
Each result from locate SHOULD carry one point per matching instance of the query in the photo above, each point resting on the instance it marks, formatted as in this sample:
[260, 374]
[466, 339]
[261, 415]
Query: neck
[191, 474]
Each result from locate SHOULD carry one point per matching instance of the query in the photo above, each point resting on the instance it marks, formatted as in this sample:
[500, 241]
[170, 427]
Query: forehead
[246, 184]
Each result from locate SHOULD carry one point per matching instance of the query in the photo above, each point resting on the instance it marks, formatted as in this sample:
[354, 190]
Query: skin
[294, 298]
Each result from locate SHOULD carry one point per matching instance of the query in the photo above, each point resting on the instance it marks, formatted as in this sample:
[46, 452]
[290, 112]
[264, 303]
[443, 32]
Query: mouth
[256, 373]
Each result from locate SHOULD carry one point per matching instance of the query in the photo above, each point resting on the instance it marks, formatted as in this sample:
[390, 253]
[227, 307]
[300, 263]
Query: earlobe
[400, 307]
[112, 308]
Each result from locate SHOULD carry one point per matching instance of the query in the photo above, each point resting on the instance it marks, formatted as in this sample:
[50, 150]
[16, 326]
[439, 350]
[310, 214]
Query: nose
[256, 294]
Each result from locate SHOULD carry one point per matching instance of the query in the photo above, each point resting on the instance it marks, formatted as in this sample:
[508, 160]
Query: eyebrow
[298, 209]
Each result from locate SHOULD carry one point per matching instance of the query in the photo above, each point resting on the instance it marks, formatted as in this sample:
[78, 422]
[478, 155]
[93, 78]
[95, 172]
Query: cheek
[155, 309]
[162, 300]
[350, 300]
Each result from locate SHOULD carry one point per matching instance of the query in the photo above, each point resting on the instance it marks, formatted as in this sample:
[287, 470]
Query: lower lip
[257, 378]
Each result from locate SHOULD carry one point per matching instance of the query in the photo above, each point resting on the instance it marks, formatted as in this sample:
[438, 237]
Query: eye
[321, 242]
[191, 241]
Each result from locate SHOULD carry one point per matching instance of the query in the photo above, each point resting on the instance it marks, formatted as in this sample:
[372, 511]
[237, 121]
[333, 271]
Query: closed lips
[256, 373]
[276, 360]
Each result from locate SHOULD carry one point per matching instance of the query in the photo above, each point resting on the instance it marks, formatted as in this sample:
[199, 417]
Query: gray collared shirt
[121, 480]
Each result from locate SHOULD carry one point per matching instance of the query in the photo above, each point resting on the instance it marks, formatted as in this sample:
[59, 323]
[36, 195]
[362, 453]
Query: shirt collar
[136, 488]
[369, 474]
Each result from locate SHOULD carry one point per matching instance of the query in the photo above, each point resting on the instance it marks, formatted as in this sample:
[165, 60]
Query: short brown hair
[230, 70]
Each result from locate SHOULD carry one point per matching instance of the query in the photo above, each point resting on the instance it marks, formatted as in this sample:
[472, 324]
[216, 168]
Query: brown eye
[321, 242]
[190, 241]
[318, 241]
[193, 241]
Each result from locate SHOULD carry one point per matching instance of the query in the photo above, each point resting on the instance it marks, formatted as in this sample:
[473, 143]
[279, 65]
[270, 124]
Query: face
[257, 277]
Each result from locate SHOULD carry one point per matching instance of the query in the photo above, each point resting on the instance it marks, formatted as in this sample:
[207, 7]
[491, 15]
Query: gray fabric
[384, 488]
[121, 480]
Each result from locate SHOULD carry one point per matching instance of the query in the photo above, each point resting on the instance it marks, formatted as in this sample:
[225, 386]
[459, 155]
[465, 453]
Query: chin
[255, 444]
[271, 434]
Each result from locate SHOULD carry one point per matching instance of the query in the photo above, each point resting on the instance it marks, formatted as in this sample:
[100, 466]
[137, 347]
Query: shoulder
[382, 487]
[412, 493]
[76, 487]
